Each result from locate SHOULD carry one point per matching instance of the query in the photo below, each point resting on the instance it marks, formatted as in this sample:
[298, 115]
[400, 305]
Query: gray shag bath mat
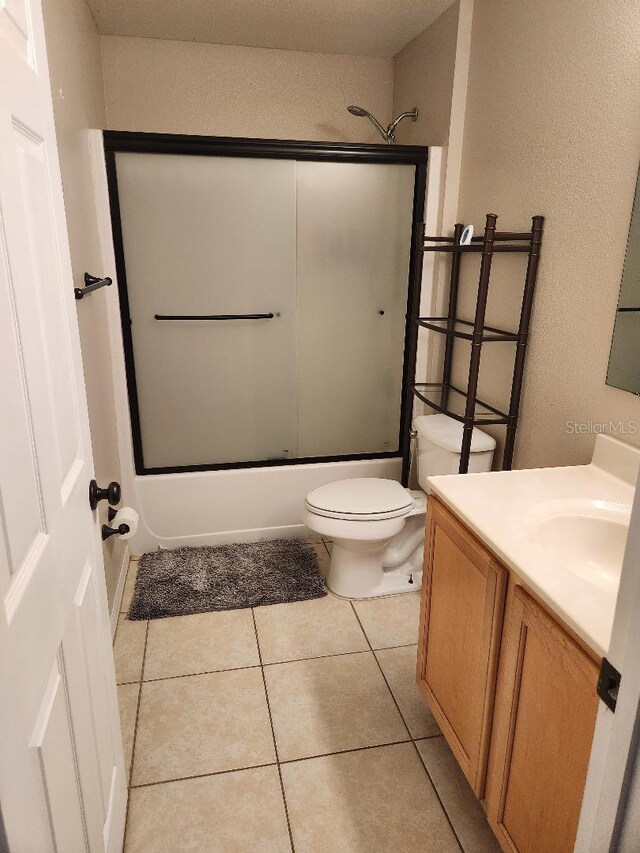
[226, 577]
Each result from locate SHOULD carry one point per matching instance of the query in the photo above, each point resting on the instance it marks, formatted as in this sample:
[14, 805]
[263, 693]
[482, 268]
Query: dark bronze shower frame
[477, 332]
[218, 146]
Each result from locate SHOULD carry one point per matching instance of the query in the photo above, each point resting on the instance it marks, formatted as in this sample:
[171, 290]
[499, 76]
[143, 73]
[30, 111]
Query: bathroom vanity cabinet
[512, 688]
[461, 620]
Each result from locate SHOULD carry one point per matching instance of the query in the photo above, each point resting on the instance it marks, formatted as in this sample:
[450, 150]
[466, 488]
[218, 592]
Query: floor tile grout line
[137, 717]
[437, 793]
[442, 805]
[273, 732]
[203, 775]
[204, 672]
[275, 763]
[412, 739]
[343, 751]
[270, 663]
[318, 657]
[135, 731]
[404, 722]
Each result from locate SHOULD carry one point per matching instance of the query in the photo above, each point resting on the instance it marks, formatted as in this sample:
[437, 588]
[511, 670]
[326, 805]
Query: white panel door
[62, 783]
[203, 236]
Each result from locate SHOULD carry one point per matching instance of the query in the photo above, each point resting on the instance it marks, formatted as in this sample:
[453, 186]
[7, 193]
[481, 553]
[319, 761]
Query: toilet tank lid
[447, 434]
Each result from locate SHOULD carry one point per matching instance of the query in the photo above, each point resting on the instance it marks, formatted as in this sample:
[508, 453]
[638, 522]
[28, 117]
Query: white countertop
[494, 504]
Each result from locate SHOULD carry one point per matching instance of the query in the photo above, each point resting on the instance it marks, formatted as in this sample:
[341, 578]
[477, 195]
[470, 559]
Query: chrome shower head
[386, 133]
[362, 113]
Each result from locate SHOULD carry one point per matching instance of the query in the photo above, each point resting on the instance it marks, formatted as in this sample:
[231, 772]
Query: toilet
[377, 526]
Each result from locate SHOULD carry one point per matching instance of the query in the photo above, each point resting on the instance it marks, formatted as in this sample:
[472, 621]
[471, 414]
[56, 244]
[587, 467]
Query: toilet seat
[361, 499]
[377, 527]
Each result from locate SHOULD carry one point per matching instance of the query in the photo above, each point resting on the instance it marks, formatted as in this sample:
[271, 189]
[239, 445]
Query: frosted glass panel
[323, 247]
[354, 235]
[211, 235]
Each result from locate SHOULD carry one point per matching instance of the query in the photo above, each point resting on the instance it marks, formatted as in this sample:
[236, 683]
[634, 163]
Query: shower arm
[408, 114]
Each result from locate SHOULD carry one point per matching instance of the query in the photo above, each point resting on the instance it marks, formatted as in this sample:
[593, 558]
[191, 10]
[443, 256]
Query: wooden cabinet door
[543, 728]
[460, 629]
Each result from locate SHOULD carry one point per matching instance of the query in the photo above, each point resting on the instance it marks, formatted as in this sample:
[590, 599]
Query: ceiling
[360, 27]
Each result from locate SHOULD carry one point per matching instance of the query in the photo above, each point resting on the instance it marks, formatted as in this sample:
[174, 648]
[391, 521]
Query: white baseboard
[117, 598]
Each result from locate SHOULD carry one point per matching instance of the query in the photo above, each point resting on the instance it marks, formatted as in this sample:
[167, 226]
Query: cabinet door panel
[545, 716]
[461, 622]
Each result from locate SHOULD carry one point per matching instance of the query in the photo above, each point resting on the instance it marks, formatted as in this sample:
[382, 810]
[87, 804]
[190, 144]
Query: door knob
[112, 493]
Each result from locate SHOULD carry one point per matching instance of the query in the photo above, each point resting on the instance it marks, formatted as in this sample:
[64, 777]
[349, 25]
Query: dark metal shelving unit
[439, 395]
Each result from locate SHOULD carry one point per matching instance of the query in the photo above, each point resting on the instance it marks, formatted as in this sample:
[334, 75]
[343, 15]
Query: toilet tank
[439, 439]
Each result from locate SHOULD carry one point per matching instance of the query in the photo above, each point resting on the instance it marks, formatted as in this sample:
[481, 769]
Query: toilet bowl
[377, 525]
[377, 529]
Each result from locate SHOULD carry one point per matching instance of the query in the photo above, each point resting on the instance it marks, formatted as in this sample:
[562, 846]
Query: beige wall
[553, 127]
[423, 78]
[73, 48]
[188, 87]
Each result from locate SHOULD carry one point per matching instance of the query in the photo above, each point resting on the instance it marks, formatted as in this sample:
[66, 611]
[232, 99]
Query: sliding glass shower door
[353, 242]
[264, 306]
[209, 236]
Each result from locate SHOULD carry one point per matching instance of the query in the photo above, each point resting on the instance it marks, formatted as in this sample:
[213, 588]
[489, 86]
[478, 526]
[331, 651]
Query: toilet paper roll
[126, 515]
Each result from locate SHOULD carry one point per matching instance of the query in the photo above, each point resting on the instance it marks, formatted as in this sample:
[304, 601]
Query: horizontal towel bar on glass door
[268, 316]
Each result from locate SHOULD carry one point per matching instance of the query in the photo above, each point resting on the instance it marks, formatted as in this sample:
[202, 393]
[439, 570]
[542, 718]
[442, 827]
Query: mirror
[624, 361]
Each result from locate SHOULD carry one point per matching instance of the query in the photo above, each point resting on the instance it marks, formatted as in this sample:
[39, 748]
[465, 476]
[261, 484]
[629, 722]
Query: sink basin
[584, 537]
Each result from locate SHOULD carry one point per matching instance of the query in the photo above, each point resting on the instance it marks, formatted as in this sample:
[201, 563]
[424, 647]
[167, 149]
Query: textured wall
[73, 47]
[423, 78]
[188, 87]
[553, 127]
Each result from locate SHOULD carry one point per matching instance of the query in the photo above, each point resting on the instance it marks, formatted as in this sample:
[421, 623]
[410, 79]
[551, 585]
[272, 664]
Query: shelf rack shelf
[460, 404]
[447, 395]
[464, 329]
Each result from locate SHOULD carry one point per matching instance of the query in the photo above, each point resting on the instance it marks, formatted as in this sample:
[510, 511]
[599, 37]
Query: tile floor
[291, 727]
